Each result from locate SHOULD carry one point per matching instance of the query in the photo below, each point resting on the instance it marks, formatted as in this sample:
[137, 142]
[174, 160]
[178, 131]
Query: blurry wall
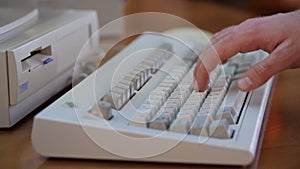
[108, 10]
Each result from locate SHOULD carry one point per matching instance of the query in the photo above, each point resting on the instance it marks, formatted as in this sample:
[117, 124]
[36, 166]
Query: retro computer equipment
[38, 49]
[141, 106]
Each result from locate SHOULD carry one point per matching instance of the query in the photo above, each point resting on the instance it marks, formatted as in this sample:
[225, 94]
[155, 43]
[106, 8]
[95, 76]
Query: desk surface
[281, 144]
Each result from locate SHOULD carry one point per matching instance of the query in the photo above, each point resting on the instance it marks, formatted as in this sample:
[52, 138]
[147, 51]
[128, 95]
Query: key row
[157, 100]
[120, 93]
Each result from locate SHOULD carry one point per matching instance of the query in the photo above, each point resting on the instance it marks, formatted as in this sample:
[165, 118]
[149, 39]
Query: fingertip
[245, 84]
[195, 85]
[198, 87]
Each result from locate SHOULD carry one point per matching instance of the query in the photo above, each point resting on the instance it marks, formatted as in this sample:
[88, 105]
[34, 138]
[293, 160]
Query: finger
[261, 72]
[200, 84]
[200, 71]
[220, 35]
[206, 63]
[248, 36]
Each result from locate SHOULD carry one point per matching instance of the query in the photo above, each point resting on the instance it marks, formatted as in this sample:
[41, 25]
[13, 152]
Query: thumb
[264, 70]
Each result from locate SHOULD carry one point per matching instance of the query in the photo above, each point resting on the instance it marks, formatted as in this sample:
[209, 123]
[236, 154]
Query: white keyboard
[141, 106]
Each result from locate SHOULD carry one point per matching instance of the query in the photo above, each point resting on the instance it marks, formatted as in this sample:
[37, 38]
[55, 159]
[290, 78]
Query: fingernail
[245, 83]
[195, 85]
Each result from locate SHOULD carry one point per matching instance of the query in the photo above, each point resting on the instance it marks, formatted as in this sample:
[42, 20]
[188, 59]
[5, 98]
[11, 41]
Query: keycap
[173, 102]
[220, 129]
[140, 120]
[129, 84]
[176, 96]
[180, 126]
[188, 115]
[182, 91]
[120, 91]
[225, 114]
[200, 126]
[135, 80]
[190, 107]
[145, 70]
[139, 76]
[142, 75]
[126, 90]
[102, 109]
[157, 58]
[169, 112]
[160, 93]
[115, 99]
[161, 123]
[175, 76]
[158, 99]
[168, 86]
[151, 64]
[207, 114]
[149, 108]
[230, 70]
[168, 90]
[234, 99]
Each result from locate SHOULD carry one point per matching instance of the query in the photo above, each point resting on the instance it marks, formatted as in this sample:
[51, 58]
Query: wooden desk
[281, 145]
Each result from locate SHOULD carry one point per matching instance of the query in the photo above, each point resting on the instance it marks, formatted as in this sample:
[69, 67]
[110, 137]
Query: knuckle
[251, 27]
[260, 72]
[260, 69]
[287, 54]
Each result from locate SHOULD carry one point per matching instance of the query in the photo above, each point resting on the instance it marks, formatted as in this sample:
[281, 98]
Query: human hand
[279, 35]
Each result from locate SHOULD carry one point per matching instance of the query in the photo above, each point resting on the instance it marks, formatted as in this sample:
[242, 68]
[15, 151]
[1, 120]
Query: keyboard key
[129, 84]
[140, 120]
[148, 108]
[161, 123]
[158, 100]
[127, 90]
[220, 129]
[188, 115]
[173, 102]
[234, 99]
[135, 80]
[102, 109]
[151, 64]
[142, 74]
[200, 126]
[190, 107]
[160, 93]
[167, 90]
[169, 112]
[139, 76]
[230, 70]
[146, 70]
[120, 91]
[180, 126]
[114, 99]
[207, 114]
[224, 114]
[168, 86]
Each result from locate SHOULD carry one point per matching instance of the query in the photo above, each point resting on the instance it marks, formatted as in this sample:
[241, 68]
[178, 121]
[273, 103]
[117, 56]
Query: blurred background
[211, 15]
